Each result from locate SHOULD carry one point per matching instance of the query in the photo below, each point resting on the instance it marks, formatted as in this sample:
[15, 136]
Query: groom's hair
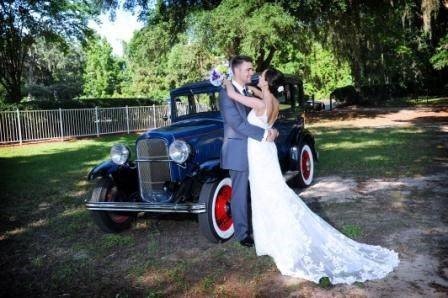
[238, 60]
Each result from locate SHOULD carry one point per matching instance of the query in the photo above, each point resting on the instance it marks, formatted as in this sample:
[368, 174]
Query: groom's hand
[226, 83]
[272, 135]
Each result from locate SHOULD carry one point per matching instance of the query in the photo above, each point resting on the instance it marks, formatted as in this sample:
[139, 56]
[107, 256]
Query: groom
[234, 147]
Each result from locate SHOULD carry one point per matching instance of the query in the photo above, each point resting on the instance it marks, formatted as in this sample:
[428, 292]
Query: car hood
[184, 129]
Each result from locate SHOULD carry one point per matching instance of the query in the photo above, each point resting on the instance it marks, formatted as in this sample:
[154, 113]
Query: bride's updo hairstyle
[274, 78]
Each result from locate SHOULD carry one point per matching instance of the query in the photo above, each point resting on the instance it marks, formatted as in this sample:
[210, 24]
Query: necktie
[245, 93]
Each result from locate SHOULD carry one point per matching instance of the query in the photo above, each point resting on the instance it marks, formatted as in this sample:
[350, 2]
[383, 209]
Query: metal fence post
[97, 122]
[127, 118]
[19, 127]
[60, 124]
[154, 115]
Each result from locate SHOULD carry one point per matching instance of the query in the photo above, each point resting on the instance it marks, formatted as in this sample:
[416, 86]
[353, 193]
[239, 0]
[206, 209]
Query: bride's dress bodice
[300, 242]
[260, 121]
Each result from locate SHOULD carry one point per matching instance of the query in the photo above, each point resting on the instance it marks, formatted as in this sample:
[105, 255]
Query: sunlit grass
[352, 145]
[380, 152]
[60, 162]
[420, 101]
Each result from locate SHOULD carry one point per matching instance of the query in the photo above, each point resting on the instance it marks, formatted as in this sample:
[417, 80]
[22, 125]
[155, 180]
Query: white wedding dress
[300, 242]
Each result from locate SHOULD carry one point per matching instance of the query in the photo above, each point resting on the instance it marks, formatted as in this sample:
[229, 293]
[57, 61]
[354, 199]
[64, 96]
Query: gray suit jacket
[236, 132]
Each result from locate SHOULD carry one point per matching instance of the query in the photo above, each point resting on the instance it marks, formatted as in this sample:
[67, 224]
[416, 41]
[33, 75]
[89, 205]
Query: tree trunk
[14, 94]
[357, 74]
[12, 79]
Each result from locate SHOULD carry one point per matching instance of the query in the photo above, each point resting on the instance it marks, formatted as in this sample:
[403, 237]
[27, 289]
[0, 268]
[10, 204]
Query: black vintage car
[177, 167]
[314, 105]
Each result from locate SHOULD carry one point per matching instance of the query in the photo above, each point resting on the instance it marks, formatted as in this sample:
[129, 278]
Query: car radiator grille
[154, 173]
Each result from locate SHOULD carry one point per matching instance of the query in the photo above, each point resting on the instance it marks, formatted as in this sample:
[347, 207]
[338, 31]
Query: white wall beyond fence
[36, 125]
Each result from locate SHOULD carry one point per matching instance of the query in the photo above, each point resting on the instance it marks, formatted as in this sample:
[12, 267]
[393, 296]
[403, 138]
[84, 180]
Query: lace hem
[381, 272]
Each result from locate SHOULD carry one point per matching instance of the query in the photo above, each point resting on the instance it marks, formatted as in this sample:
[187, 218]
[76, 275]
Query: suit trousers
[240, 205]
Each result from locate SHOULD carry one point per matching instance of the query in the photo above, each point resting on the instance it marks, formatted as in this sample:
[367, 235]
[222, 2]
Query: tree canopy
[22, 22]
[102, 70]
[328, 44]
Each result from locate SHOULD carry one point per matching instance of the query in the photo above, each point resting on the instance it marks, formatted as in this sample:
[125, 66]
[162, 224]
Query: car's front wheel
[306, 166]
[216, 224]
[110, 222]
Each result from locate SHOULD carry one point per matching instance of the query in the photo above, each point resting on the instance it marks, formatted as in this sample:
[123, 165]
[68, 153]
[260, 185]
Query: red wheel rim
[222, 208]
[305, 165]
[116, 217]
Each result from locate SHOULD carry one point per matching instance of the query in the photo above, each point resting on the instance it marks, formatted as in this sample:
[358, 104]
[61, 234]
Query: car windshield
[196, 103]
[202, 97]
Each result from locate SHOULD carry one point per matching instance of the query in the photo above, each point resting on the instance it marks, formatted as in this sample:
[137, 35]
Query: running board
[147, 207]
[290, 174]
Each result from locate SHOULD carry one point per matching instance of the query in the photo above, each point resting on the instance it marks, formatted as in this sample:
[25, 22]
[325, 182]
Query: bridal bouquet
[219, 73]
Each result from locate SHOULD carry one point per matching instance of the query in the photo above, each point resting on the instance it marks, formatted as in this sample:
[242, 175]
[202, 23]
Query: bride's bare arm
[256, 91]
[245, 100]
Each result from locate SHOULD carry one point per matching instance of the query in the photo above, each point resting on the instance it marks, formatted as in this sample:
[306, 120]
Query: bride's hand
[255, 91]
[272, 135]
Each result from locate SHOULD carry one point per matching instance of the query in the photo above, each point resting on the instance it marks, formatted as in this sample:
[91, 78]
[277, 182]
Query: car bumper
[194, 208]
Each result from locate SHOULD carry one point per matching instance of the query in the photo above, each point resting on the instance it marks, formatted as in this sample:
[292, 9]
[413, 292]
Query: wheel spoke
[305, 165]
[113, 195]
[222, 216]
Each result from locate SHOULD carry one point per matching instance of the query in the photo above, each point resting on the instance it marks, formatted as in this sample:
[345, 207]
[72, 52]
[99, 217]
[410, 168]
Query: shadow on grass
[432, 120]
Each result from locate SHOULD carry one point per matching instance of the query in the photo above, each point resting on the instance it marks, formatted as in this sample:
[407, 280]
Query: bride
[300, 242]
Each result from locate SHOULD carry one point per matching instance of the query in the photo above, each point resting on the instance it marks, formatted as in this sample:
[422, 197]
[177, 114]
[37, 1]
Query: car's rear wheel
[110, 222]
[216, 224]
[306, 166]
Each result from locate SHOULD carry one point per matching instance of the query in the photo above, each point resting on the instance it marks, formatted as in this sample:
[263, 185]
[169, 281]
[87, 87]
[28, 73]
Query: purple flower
[216, 77]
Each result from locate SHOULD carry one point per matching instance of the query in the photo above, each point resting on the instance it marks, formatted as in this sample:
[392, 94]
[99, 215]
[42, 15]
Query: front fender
[210, 165]
[302, 136]
[125, 176]
[307, 137]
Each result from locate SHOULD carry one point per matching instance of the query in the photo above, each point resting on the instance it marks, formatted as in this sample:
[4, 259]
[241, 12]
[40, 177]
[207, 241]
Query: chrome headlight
[119, 154]
[179, 151]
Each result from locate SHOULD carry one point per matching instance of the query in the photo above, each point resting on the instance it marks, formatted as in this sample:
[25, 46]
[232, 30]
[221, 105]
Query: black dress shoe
[248, 242]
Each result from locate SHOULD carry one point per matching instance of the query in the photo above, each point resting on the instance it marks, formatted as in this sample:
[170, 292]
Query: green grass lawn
[44, 227]
[50, 246]
[373, 152]
[40, 176]
[416, 101]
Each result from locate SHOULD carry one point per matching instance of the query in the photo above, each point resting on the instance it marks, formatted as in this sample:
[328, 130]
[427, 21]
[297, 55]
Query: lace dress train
[300, 242]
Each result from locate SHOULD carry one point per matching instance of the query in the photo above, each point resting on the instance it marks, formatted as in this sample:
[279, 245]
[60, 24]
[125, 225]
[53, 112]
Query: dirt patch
[379, 117]
[332, 189]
